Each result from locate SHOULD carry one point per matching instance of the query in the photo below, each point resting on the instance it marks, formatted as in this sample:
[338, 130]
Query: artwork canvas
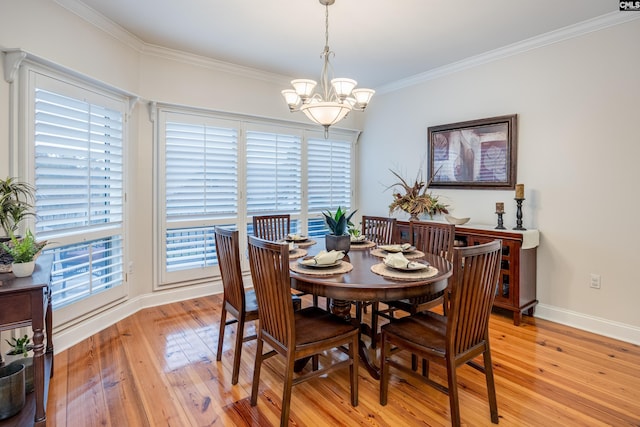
[474, 154]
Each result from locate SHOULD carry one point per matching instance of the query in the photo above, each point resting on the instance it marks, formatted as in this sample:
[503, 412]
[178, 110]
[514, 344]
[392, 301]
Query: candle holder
[500, 223]
[519, 215]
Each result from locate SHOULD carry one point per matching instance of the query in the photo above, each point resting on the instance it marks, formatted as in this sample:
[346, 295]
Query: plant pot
[28, 372]
[338, 243]
[12, 395]
[23, 269]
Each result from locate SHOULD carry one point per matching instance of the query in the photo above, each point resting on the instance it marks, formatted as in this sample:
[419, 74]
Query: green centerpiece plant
[338, 223]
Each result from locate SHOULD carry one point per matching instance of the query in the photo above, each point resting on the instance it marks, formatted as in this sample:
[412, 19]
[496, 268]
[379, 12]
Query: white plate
[317, 265]
[412, 266]
[397, 248]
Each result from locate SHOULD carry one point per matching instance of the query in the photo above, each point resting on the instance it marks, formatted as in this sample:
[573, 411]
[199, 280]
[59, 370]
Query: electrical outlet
[595, 281]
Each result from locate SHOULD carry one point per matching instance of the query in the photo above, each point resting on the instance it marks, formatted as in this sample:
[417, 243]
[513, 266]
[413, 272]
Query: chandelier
[335, 98]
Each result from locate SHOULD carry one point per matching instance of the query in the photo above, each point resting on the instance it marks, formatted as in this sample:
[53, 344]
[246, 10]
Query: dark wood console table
[26, 301]
[516, 291]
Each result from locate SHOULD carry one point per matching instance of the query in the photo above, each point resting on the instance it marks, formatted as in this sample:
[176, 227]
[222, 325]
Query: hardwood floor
[158, 368]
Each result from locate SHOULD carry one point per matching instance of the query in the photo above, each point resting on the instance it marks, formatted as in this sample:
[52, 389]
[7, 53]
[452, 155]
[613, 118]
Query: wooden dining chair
[428, 237]
[379, 229]
[457, 338]
[272, 227]
[294, 335]
[382, 231]
[241, 304]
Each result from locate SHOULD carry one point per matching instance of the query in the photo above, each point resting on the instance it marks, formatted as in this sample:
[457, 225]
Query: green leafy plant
[25, 249]
[15, 203]
[415, 199]
[339, 221]
[19, 346]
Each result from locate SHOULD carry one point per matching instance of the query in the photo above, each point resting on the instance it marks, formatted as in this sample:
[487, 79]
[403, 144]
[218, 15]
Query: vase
[12, 395]
[23, 269]
[337, 243]
[414, 217]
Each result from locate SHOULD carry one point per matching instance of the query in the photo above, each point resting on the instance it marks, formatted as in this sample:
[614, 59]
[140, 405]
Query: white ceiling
[376, 42]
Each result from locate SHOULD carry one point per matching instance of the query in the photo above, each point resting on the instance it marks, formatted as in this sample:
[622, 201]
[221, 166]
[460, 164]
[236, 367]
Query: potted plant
[416, 199]
[24, 252]
[19, 355]
[15, 204]
[338, 223]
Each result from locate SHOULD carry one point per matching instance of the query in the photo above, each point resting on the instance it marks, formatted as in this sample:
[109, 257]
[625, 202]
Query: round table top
[362, 284]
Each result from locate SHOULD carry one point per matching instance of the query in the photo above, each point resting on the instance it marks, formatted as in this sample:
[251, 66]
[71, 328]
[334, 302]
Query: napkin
[397, 260]
[359, 238]
[294, 237]
[396, 248]
[324, 258]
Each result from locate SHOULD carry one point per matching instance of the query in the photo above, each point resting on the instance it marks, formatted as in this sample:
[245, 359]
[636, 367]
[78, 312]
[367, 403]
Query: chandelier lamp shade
[334, 98]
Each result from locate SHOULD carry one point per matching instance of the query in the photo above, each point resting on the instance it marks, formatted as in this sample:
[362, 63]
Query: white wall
[578, 144]
[578, 106]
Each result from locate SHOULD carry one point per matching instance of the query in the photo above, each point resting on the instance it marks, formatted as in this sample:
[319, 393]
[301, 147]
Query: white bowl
[456, 221]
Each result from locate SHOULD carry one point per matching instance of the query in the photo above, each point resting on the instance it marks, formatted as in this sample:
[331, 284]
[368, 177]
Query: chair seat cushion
[314, 324]
[426, 329]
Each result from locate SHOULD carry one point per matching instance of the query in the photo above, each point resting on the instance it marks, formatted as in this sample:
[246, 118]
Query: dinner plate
[397, 248]
[318, 265]
[411, 266]
[359, 242]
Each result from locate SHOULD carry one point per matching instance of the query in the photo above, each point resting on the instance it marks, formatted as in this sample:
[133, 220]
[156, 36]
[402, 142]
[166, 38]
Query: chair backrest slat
[378, 229]
[475, 277]
[272, 227]
[271, 281]
[228, 252]
[433, 237]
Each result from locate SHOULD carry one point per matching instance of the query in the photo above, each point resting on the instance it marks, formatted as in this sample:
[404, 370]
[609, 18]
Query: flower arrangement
[416, 199]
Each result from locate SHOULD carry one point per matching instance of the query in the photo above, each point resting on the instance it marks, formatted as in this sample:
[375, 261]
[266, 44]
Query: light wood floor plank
[158, 368]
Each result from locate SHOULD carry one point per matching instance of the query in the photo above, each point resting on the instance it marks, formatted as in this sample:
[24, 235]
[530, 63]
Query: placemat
[297, 253]
[409, 255]
[361, 246]
[391, 273]
[306, 244]
[344, 267]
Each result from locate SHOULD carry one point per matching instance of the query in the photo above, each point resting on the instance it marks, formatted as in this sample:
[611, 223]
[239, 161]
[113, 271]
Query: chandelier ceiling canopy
[334, 99]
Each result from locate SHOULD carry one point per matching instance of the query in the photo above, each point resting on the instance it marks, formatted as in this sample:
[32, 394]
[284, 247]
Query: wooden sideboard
[26, 301]
[516, 290]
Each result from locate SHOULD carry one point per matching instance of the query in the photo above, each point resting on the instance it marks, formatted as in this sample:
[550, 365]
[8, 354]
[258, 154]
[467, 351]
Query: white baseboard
[597, 325]
[67, 336]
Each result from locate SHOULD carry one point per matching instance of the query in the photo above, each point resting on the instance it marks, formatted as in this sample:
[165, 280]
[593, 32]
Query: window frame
[70, 83]
[242, 220]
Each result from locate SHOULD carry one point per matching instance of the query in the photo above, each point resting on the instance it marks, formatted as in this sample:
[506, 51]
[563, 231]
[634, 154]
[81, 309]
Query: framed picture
[478, 154]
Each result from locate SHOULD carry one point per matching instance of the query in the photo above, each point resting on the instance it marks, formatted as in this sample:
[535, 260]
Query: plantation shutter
[273, 173]
[329, 175]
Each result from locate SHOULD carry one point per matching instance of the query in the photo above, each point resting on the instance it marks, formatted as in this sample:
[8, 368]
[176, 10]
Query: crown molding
[572, 31]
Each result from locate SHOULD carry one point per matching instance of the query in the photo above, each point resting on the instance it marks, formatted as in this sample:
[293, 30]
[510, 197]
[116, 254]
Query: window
[221, 170]
[75, 158]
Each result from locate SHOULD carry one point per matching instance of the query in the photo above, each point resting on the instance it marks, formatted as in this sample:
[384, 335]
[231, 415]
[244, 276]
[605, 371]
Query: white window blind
[200, 188]
[273, 173]
[329, 174]
[79, 180]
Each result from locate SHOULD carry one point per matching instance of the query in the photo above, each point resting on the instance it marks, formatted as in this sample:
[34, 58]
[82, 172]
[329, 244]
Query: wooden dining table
[361, 284]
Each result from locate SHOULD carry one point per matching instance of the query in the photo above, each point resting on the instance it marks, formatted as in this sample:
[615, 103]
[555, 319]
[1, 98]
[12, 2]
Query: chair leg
[374, 322]
[414, 362]
[384, 369]
[452, 382]
[238, 351]
[315, 300]
[491, 387]
[286, 393]
[353, 369]
[223, 319]
[425, 368]
[256, 372]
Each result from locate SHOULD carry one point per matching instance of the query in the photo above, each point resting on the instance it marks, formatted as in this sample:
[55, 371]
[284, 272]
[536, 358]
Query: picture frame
[477, 154]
